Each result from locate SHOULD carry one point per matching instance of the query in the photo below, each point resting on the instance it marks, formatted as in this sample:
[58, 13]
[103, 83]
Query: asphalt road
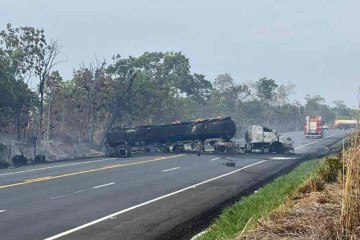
[142, 197]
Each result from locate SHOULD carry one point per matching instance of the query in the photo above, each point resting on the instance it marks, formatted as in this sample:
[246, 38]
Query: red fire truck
[313, 127]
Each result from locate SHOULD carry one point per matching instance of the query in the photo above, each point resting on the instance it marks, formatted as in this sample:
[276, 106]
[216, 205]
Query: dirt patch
[312, 215]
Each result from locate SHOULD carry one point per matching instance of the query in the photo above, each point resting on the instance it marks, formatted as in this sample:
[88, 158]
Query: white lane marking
[170, 169]
[291, 135]
[335, 135]
[80, 191]
[65, 195]
[58, 196]
[58, 166]
[2, 211]
[148, 202]
[214, 159]
[282, 158]
[318, 140]
[199, 234]
[306, 144]
[104, 185]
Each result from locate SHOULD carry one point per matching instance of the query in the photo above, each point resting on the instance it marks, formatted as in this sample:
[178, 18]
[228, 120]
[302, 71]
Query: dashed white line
[104, 185]
[80, 191]
[2, 211]
[148, 202]
[214, 159]
[59, 196]
[170, 169]
[68, 194]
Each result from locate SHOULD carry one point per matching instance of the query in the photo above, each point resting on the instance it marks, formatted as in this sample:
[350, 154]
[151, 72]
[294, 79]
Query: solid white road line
[306, 144]
[104, 185]
[291, 135]
[148, 202]
[335, 134]
[282, 158]
[58, 166]
[170, 169]
[199, 234]
[214, 159]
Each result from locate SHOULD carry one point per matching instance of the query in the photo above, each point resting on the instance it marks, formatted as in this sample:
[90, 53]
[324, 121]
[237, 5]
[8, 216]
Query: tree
[45, 61]
[340, 108]
[22, 47]
[162, 79]
[29, 53]
[315, 105]
[228, 97]
[53, 97]
[16, 49]
[93, 86]
[283, 92]
[265, 89]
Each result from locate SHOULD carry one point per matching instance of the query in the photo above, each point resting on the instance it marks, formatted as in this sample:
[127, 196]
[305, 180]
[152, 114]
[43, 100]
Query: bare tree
[123, 97]
[43, 67]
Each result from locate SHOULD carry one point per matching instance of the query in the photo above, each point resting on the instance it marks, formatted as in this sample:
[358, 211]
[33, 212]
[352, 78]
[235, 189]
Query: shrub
[331, 168]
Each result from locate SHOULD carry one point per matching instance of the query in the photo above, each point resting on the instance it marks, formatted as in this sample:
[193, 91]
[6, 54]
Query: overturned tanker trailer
[122, 141]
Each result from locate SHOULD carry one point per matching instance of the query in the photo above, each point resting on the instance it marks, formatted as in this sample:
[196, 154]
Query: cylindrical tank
[193, 130]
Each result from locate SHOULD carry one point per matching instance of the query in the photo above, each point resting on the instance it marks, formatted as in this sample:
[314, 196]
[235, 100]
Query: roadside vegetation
[319, 199]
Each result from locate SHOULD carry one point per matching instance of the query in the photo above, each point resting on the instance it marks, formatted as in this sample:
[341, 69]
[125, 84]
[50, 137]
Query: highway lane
[47, 200]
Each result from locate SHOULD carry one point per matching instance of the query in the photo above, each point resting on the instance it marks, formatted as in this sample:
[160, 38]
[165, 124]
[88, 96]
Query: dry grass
[350, 210]
[306, 216]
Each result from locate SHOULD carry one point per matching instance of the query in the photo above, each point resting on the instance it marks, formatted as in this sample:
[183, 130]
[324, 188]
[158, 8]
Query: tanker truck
[345, 122]
[121, 142]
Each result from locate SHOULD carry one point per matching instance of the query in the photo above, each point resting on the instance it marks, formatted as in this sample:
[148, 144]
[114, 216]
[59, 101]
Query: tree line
[154, 88]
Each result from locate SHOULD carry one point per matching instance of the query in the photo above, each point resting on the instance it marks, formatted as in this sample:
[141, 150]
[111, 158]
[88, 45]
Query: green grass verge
[243, 214]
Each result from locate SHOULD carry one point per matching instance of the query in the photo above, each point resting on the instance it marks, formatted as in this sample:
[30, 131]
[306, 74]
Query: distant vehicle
[121, 142]
[266, 139]
[345, 122]
[313, 127]
[325, 127]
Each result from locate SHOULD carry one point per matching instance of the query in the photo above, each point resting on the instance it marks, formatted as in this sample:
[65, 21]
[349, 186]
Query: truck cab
[262, 138]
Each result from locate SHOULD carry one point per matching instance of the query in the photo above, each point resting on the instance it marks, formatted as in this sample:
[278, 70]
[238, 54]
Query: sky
[314, 44]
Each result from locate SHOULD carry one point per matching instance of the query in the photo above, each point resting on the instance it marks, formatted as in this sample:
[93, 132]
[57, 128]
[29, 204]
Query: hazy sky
[315, 44]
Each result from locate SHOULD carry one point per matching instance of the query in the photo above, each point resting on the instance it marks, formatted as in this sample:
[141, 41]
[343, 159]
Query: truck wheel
[124, 153]
[222, 149]
[276, 147]
[164, 149]
[178, 148]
